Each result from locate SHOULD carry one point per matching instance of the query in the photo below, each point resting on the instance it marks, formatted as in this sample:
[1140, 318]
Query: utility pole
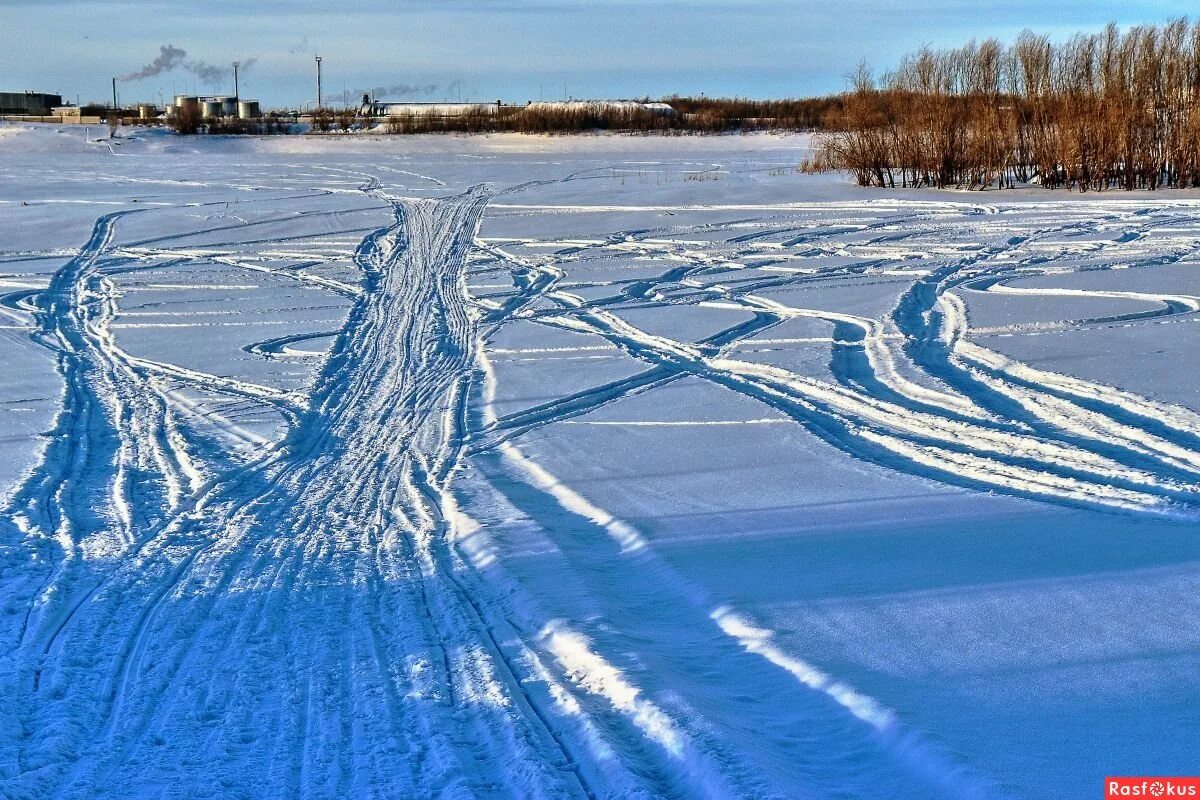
[114, 94]
[318, 83]
[236, 96]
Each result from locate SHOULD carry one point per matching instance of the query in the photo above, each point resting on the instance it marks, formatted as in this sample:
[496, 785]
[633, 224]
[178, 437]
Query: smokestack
[114, 94]
[236, 64]
[318, 82]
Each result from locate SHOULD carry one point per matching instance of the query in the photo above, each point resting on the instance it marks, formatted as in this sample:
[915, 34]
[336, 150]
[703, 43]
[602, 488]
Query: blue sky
[510, 49]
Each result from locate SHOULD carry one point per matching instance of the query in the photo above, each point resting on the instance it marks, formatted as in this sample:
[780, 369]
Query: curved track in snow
[312, 620]
[974, 418]
[308, 595]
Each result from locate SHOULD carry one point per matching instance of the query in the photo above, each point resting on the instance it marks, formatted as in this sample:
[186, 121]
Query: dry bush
[714, 114]
[322, 120]
[1118, 109]
[692, 115]
[268, 125]
[187, 119]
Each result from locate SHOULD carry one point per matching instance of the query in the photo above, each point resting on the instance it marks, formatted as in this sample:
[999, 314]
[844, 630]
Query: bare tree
[187, 119]
[322, 120]
[1117, 109]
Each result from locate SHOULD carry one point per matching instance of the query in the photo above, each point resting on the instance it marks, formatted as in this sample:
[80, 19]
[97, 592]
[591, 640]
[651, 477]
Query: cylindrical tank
[248, 109]
[183, 99]
[229, 106]
[147, 111]
[210, 109]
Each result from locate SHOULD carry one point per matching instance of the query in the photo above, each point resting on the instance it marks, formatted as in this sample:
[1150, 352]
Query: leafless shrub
[1118, 109]
[186, 120]
[690, 115]
[322, 120]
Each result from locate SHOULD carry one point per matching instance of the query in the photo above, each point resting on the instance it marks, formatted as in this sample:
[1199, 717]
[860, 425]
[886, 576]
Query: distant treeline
[710, 114]
[686, 115]
[1118, 109]
[692, 115]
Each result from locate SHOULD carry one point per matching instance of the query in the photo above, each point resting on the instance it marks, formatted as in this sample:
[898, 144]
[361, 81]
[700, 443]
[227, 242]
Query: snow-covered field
[590, 466]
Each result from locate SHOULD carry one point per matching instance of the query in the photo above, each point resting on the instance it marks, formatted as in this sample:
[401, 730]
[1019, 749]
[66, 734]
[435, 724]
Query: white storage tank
[211, 109]
[248, 109]
[187, 104]
[147, 111]
[229, 106]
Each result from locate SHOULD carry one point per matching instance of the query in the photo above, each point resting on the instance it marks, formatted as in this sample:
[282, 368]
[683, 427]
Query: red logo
[1151, 787]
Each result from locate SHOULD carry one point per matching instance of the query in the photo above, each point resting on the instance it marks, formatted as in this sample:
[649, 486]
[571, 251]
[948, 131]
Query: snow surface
[601, 466]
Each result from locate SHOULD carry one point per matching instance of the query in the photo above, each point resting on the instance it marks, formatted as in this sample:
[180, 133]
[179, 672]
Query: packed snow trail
[298, 633]
[322, 615]
[954, 412]
[115, 465]
[967, 422]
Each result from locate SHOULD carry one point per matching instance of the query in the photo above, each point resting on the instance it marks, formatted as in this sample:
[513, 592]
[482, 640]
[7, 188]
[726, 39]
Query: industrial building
[216, 107]
[28, 103]
[384, 108]
[67, 113]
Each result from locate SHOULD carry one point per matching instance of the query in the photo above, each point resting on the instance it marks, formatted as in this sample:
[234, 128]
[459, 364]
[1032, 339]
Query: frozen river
[586, 466]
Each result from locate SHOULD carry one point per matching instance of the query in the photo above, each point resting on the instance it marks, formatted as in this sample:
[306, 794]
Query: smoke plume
[408, 89]
[400, 90]
[171, 58]
[209, 73]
